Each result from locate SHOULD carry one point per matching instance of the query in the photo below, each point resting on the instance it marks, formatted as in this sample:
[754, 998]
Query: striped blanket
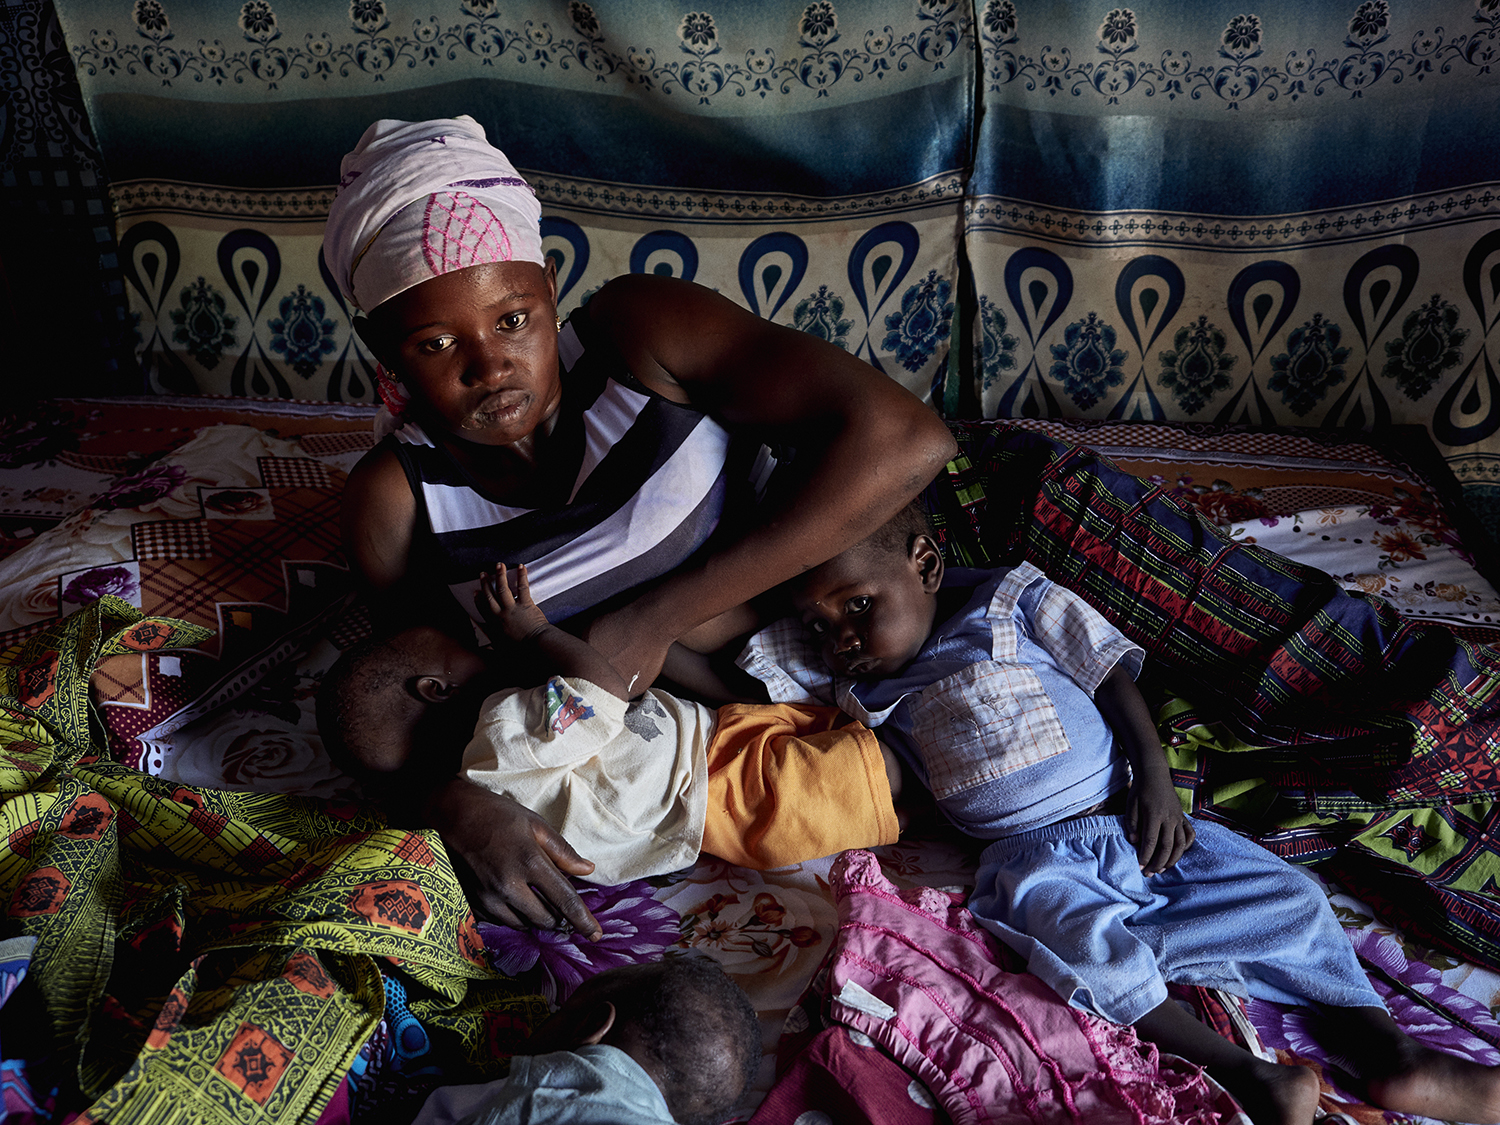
[1317, 721]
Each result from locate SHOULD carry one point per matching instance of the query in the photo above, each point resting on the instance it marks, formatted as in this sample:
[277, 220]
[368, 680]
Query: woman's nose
[488, 363]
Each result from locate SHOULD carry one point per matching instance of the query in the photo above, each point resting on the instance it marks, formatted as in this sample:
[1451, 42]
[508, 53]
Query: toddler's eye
[512, 321]
[436, 344]
[858, 605]
[817, 628]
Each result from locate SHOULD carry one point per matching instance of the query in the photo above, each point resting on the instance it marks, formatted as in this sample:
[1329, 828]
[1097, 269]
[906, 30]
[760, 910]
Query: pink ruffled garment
[910, 970]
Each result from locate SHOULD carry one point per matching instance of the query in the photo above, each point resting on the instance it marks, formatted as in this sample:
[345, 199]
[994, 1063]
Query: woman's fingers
[520, 863]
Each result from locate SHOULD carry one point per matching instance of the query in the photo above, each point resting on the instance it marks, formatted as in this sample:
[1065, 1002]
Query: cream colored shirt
[625, 784]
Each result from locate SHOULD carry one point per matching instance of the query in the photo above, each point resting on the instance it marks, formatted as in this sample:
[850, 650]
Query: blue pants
[1072, 900]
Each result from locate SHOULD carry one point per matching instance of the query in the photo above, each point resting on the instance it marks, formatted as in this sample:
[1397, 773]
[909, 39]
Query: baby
[638, 787]
[668, 1041]
[1015, 701]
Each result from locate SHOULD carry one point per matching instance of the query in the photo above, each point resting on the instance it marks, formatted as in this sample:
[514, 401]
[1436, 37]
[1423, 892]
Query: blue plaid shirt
[996, 713]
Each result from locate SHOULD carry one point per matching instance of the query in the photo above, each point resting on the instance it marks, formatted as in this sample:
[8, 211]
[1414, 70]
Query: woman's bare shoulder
[646, 306]
[378, 516]
[379, 469]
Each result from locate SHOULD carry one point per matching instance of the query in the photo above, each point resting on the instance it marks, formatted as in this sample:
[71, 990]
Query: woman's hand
[519, 865]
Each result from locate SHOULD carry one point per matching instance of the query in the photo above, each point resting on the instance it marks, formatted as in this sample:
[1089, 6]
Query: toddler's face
[869, 610]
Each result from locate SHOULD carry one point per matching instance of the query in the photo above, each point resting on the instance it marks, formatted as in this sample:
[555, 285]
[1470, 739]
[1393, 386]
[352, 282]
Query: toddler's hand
[1157, 826]
[517, 615]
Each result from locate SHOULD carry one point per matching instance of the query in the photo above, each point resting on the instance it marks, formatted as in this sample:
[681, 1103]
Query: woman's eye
[436, 344]
[859, 604]
[513, 321]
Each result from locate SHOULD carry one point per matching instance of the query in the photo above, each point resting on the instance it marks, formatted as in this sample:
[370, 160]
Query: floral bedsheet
[1404, 553]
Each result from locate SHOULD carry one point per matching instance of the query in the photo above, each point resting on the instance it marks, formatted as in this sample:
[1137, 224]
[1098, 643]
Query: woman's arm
[865, 446]
[377, 520]
[519, 862]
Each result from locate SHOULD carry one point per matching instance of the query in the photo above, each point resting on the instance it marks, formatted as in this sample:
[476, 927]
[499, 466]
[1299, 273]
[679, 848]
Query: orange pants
[789, 783]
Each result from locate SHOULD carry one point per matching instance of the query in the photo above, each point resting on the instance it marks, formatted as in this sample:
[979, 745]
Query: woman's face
[477, 349]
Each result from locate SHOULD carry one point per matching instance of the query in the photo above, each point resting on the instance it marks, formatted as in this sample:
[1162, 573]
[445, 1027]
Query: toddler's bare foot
[1407, 1076]
[1273, 1094]
[1434, 1084]
[1270, 1093]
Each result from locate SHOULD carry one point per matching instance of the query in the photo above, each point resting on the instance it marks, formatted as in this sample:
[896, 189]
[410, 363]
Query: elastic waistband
[1077, 828]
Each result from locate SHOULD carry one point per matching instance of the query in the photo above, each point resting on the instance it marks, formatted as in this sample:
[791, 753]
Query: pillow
[1409, 561]
[1234, 474]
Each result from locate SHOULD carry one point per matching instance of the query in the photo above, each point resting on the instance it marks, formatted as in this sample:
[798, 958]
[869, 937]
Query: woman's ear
[374, 339]
[549, 270]
[928, 561]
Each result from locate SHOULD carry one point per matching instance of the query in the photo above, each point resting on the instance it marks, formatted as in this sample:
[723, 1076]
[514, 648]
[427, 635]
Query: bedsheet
[219, 516]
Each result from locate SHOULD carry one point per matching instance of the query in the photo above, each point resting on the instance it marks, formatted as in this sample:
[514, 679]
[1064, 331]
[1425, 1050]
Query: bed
[228, 933]
[1207, 226]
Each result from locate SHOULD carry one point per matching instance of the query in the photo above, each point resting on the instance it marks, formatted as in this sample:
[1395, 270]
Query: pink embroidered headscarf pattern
[418, 199]
[459, 231]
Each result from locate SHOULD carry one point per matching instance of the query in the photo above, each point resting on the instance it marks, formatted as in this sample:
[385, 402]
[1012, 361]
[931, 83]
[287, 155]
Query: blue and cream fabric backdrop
[1195, 212]
[1285, 215]
[807, 161]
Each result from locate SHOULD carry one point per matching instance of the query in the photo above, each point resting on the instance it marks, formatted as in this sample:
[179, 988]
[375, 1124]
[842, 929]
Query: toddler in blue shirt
[1014, 700]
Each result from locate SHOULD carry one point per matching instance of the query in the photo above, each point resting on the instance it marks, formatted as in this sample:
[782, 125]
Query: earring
[558, 319]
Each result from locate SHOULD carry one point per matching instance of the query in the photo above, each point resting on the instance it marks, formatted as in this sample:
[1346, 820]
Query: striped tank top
[649, 485]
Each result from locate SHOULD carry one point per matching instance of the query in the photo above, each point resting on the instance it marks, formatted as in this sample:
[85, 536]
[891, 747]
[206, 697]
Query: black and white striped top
[649, 484]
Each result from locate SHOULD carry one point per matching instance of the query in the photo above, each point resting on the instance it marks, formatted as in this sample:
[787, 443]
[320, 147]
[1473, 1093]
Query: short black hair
[346, 715]
[900, 532]
[701, 1030]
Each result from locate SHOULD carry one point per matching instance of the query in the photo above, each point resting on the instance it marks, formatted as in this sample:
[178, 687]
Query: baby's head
[872, 608]
[683, 1019]
[381, 692]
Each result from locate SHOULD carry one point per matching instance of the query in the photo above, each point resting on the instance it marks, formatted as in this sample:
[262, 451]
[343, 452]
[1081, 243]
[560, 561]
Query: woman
[606, 455]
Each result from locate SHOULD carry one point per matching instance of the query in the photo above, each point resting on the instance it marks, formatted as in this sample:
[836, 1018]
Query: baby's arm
[522, 620]
[1154, 818]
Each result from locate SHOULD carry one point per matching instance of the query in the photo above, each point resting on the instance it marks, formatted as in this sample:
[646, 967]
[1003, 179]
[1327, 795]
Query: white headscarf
[418, 199]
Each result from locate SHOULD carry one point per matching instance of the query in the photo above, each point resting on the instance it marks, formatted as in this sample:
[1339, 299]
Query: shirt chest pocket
[983, 722]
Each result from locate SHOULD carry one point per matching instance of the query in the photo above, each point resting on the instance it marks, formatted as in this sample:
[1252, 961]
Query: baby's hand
[517, 615]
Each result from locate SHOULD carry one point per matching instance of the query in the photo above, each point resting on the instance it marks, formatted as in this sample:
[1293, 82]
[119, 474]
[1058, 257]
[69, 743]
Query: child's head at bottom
[683, 1019]
[381, 692]
[872, 607]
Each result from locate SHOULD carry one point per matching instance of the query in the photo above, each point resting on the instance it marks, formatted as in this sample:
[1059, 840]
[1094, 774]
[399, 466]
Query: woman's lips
[502, 406]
